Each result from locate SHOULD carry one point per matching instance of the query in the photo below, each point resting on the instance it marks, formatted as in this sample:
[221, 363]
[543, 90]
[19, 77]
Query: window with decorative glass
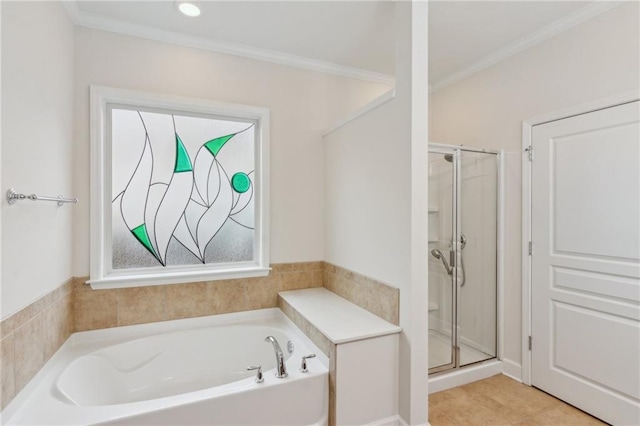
[179, 189]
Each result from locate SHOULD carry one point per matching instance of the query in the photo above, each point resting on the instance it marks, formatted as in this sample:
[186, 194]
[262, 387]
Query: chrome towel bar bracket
[13, 197]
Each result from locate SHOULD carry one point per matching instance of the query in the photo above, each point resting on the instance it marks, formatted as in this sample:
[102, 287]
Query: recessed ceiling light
[189, 9]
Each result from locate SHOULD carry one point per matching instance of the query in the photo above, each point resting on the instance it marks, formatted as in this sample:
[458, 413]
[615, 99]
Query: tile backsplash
[31, 336]
[376, 297]
[95, 309]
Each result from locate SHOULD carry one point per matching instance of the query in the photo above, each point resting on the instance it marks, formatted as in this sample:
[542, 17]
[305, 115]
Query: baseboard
[512, 369]
[448, 380]
[401, 422]
[389, 421]
[393, 421]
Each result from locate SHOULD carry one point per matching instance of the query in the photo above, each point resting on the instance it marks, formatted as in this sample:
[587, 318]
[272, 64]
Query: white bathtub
[185, 372]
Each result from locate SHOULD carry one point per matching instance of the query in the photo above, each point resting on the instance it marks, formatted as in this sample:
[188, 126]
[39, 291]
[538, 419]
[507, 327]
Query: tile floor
[500, 400]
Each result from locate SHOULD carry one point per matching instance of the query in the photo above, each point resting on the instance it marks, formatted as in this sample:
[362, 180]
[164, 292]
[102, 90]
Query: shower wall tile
[31, 336]
[376, 297]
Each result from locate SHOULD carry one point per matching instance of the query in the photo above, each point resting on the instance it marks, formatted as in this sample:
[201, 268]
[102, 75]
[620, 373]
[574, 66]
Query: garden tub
[186, 372]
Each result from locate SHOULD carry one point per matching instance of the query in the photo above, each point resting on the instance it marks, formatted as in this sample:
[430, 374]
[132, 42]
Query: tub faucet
[281, 370]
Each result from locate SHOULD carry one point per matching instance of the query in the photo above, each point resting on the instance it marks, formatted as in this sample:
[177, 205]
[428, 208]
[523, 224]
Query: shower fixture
[438, 255]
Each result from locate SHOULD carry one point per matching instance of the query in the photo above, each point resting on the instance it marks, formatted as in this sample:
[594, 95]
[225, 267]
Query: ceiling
[348, 33]
[463, 33]
[352, 34]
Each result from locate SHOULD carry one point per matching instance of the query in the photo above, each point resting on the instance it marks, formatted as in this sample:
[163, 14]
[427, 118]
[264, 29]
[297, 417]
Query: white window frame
[102, 273]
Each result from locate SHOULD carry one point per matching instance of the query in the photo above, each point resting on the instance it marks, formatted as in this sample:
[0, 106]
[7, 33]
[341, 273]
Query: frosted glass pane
[182, 189]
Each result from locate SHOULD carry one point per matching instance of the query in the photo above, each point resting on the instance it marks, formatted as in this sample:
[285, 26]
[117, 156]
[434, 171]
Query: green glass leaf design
[240, 182]
[215, 145]
[183, 163]
[140, 232]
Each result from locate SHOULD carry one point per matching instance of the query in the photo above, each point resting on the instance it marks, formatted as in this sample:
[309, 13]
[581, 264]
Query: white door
[585, 293]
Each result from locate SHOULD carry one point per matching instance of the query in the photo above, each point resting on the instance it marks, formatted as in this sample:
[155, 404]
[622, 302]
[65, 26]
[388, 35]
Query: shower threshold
[440, 351]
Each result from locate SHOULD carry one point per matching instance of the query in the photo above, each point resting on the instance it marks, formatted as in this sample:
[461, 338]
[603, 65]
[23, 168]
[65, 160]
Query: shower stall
[463, 256]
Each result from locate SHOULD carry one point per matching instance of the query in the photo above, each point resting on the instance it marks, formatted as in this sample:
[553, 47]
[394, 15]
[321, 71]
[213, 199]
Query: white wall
[376, 199]
[593, 60]
[37, 113]
[303, 103]
[1, 310]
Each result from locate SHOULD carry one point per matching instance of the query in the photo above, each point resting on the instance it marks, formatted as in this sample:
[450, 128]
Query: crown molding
[83, 19]
[375, 103]
[581, 15]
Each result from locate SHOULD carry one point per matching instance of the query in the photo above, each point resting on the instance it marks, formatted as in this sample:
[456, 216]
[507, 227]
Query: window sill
[167, 278]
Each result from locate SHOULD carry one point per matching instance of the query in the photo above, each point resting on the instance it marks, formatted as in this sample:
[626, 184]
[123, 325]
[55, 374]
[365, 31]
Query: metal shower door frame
[456, 151]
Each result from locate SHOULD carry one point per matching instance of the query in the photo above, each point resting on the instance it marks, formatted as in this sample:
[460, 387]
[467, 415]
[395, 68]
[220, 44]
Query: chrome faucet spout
[281, 370]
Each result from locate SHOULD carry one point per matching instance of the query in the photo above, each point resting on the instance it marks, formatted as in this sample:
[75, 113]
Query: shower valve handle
[303, 365]
[259, 377]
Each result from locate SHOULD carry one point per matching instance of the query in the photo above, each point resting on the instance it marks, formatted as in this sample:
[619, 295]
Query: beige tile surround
[96, 309]
[376, 297]
[31, 336]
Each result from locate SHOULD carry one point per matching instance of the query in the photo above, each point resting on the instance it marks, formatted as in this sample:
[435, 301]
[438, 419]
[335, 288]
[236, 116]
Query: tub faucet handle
[259, 377]
[303, 366]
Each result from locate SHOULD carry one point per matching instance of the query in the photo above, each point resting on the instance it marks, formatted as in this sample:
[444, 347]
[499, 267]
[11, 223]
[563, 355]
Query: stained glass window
[183, 190]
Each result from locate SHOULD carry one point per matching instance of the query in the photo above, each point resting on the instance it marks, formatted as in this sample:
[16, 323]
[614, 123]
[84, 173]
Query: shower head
[438, 255]
[449, 158]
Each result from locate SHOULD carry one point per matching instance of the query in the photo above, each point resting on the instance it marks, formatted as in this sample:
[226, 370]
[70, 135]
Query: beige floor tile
[467, 407]
[526, 400]
[439, 417]
[500, 400]
[568, 415]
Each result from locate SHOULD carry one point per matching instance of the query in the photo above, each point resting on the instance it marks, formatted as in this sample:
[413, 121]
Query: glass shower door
[442, 354]
[463, 224]
[477, 256]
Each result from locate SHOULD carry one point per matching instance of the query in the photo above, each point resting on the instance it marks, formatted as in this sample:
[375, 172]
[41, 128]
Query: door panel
[577, 356]
[585, 264]
[583, 166]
